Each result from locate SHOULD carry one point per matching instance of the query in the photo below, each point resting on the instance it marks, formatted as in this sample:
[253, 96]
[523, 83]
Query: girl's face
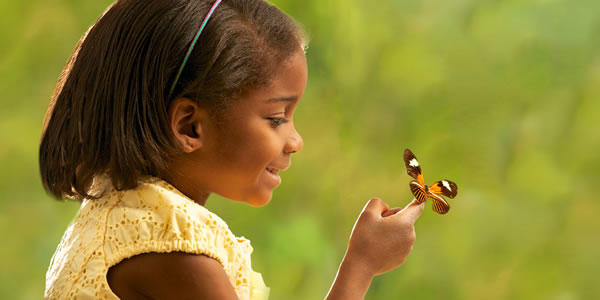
[241, 158]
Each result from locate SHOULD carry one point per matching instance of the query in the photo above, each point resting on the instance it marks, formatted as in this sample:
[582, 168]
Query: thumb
[376, 206]
[413, 210]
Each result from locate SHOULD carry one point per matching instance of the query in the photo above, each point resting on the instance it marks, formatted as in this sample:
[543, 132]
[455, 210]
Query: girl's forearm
[351, 282]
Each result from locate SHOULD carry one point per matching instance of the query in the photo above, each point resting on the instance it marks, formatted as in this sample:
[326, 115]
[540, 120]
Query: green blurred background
[500, 96]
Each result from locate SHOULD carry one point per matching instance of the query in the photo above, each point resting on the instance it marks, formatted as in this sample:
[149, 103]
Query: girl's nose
[294, 143]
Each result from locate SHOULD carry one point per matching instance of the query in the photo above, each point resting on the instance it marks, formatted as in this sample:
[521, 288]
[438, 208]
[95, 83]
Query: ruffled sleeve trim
[192, 247]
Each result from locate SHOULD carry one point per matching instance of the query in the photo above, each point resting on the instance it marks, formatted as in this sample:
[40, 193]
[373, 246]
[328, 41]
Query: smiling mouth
[272, 171]
[274, 178]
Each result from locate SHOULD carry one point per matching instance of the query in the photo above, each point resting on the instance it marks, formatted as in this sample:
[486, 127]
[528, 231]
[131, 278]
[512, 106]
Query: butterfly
[434, 191]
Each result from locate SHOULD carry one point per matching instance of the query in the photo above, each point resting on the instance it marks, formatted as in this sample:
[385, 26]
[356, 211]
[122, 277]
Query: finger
[390, 212]
[413, 210]
[377, 206]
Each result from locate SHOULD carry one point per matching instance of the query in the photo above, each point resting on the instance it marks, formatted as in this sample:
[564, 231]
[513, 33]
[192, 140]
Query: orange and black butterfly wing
[413, 168]
[445, 187]
[418, 190]
[439, 205]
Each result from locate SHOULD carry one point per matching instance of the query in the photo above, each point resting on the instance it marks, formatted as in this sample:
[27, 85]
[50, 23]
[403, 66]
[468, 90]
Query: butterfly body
[421, 191]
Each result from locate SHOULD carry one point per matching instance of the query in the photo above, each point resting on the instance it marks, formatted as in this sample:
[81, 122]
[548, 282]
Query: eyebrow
[283, 99]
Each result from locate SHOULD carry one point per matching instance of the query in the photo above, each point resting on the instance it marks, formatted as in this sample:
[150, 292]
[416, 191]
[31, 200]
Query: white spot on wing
[446, 185]
[413, 162]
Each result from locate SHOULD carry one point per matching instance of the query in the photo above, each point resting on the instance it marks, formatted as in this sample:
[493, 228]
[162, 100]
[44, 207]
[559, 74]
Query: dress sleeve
[149, 219]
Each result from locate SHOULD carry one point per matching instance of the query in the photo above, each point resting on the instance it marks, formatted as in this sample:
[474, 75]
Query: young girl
[162, 103]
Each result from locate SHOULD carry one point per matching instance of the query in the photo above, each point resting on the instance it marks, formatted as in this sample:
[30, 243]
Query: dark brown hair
[108, 114]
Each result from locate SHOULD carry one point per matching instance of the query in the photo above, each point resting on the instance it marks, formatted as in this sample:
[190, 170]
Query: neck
[196, 195]
[193, 191]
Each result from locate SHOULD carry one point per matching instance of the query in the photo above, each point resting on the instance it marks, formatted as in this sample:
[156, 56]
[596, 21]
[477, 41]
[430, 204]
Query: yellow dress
[154, 217]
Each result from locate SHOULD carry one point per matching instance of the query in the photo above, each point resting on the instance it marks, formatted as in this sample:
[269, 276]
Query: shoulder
[153, 218]
[174, 275]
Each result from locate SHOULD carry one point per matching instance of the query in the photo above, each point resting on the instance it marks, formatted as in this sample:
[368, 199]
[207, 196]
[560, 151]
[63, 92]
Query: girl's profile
[162, 104]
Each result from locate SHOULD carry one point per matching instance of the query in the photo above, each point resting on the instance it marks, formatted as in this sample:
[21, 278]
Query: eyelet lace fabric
[154, 217]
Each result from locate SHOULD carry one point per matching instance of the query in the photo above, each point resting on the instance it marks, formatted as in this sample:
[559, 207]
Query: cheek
[261, 149]
[253, 147]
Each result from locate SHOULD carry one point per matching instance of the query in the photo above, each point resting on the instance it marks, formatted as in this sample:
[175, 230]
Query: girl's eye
[275, 122]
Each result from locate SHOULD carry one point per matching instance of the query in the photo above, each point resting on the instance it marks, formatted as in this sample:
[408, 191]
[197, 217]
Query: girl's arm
[380, 241]
[351, 282]
[172, 275]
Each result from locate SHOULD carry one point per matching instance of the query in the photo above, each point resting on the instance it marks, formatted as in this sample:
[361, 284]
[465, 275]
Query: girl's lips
[272, 174]
[277, 168]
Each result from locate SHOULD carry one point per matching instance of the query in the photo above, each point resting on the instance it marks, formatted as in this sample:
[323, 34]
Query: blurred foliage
[500, 96]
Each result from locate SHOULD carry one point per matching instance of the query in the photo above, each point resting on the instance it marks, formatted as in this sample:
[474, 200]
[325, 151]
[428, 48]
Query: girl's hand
[380, 241]
[382, 238]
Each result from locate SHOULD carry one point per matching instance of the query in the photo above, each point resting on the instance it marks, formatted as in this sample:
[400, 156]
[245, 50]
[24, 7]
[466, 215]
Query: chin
[259, 200]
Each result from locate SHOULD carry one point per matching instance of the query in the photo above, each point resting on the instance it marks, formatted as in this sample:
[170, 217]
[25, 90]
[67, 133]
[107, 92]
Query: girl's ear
[185, 120]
